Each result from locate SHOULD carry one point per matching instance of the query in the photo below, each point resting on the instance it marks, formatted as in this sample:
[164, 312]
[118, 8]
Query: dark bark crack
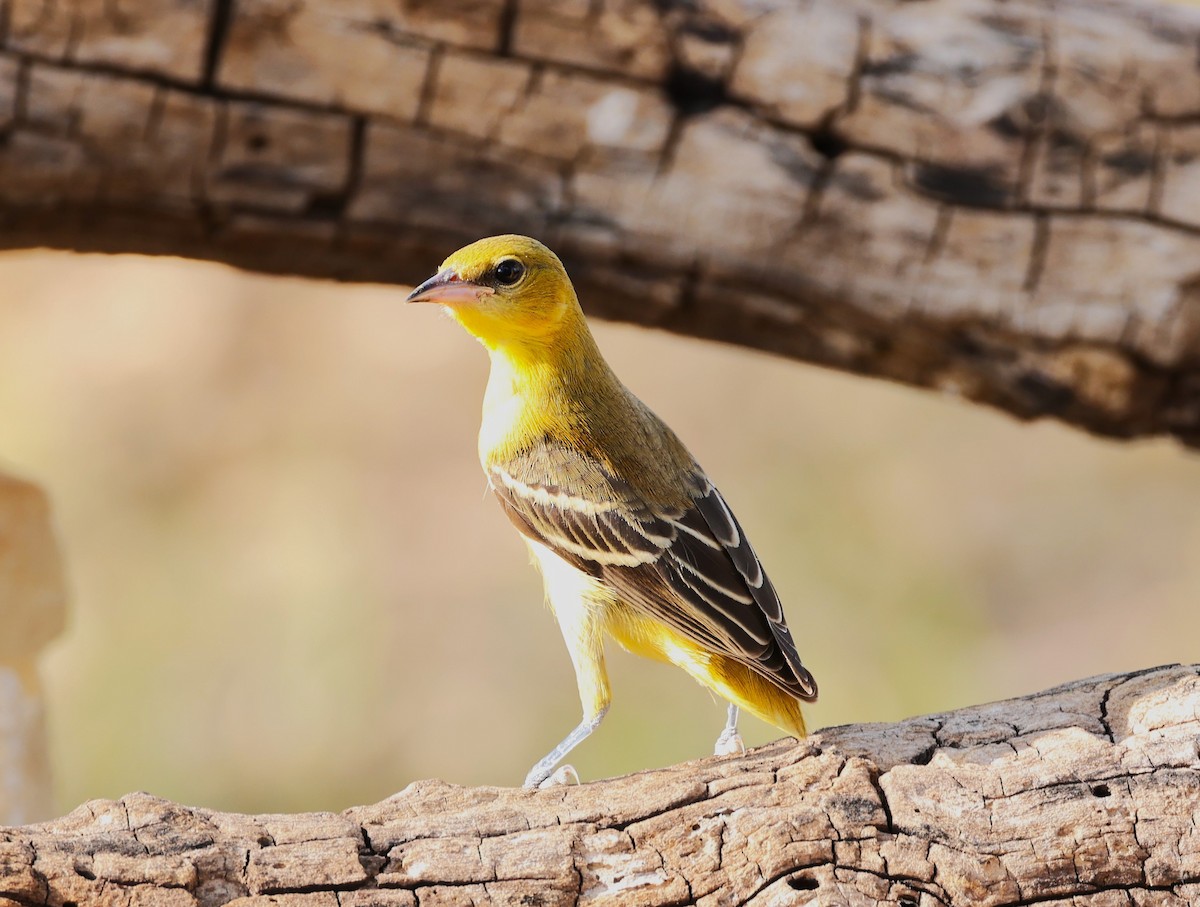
[1104, 713]
[1158, 171]
[75, 33]
[928, 888]
[1040, 114]
[334, 205]
[219, 23]
[1037, 253]
[154, 115]
[876, 776]
[506, 28]
[429, 85]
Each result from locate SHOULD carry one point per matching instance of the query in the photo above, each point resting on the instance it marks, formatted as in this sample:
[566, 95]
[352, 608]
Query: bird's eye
[509, 272]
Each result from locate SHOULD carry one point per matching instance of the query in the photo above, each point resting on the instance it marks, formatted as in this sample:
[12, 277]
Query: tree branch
[998, 200]
[1087, 789]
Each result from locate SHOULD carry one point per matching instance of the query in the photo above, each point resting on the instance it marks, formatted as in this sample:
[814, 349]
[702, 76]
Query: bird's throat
[535, 390]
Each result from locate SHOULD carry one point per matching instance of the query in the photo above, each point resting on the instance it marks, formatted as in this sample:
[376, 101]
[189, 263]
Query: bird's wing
[690, 567]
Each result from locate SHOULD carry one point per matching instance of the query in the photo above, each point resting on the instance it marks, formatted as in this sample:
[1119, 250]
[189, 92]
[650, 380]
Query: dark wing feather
[689, 567]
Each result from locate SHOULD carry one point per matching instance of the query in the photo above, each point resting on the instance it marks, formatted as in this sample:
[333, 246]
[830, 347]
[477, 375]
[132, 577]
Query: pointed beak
[447, 288]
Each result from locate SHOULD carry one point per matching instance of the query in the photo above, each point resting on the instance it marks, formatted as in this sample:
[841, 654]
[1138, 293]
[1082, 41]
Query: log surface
[1087, 794]
[1000, 200]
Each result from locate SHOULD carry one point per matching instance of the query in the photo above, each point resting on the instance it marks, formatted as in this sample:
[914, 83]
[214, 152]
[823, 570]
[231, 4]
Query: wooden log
[1084, 795]
[999, 200]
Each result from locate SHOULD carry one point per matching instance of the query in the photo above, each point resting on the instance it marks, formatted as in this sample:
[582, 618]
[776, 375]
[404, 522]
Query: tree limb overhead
[997, 199]
[1085, 794]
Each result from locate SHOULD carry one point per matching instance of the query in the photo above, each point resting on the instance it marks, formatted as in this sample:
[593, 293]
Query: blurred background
[291, 592]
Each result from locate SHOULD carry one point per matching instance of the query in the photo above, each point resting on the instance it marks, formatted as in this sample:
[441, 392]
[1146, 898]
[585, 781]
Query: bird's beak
[447, 288]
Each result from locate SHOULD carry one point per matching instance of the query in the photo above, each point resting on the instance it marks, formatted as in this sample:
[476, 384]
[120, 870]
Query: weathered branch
[1088, 791]
[1000, 200]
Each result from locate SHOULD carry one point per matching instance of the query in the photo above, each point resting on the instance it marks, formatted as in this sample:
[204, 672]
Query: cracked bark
[1084, 794]
[1000, 201]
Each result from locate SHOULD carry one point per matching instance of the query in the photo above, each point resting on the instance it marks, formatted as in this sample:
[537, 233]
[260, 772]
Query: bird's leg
[544, 770]
[730, 741]
[585, 641]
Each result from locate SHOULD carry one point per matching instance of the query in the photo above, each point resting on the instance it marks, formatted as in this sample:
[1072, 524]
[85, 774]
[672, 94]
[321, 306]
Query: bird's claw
[563, 775]
[729, 744]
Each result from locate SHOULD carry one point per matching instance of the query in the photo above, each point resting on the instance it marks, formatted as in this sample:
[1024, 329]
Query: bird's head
[505, 290]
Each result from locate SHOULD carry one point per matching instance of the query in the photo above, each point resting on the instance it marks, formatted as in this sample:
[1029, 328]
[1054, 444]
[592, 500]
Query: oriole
[632, 539]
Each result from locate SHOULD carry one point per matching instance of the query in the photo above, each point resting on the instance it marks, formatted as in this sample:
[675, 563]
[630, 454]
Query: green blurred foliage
[290, 590]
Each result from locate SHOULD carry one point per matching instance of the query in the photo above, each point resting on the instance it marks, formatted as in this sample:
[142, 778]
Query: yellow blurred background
[290, 590]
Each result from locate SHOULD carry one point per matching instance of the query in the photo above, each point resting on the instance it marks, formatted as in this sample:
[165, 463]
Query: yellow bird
[632, 539]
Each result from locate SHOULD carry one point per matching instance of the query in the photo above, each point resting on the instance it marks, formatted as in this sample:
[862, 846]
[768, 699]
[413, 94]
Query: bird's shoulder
[611, 449]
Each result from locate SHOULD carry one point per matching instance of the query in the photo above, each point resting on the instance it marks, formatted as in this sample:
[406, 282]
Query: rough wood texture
[1086, 795]
[997, 199]
[32, 613]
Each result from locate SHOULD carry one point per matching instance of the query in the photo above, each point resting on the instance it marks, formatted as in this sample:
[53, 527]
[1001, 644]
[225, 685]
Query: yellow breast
[517, 407]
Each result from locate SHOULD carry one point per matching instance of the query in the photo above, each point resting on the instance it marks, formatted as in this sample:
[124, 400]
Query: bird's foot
[562, 776]
[544, 775]
[729, 743]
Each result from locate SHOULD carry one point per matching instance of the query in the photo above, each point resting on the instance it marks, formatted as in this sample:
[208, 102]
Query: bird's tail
[755, 694]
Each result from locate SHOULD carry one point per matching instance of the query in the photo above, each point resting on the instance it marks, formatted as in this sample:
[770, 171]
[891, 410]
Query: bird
[632, 539]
